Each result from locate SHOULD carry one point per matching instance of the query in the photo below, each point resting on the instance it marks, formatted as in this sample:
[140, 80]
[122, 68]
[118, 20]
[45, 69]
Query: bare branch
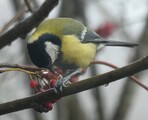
[86, 84]
[28, 6]
[14, 19]
[21, 29]
[136, 80]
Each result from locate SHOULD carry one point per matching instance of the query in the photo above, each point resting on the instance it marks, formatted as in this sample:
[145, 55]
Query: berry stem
[18, 69]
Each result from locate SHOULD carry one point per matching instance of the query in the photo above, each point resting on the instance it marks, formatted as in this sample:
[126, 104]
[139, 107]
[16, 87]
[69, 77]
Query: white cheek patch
[52, 50]
[83, 33]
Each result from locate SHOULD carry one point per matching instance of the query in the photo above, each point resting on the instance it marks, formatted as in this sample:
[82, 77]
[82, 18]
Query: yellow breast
[77, 53]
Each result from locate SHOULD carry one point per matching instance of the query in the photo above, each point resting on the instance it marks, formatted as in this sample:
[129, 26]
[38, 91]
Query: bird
[66, 43]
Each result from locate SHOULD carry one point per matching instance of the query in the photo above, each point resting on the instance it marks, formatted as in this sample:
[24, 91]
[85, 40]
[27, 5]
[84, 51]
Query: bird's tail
[115, 43]
[119, 43]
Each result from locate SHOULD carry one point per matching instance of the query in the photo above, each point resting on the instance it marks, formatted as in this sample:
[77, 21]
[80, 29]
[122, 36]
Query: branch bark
[86, 84]
[21, 29]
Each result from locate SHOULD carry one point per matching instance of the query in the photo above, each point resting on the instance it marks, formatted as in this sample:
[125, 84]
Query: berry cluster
[46, 81]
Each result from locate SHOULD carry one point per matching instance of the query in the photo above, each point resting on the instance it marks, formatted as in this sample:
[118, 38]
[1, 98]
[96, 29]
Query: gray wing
[86, 35]
[83, 33]
[92, 37]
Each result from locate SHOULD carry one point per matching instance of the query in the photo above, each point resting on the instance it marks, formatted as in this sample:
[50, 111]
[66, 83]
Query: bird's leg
[69, 74]
[64, 81]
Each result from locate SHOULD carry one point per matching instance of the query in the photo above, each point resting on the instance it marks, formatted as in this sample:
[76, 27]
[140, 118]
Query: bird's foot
[61, 84]
[64, 82]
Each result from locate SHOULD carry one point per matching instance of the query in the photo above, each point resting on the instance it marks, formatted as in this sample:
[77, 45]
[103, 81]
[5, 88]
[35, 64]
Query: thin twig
[13, 20]
[25, 67]
[136, 80]
[28, 6]
[18, 69]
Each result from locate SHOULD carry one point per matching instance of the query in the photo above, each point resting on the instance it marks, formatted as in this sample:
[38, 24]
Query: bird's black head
[50, 38]
[41, 52]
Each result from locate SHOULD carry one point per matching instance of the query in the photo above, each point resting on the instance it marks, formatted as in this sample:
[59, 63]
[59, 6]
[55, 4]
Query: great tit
[66, 43]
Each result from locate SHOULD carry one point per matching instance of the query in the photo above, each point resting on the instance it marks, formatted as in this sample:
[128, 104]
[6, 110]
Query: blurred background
[112, 19]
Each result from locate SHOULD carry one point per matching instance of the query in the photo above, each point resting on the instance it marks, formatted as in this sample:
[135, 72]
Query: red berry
[48, 105]
[47, 74]
[54, 101]
[106, 29]
[59, 70]
[52, 83]
[33, 83]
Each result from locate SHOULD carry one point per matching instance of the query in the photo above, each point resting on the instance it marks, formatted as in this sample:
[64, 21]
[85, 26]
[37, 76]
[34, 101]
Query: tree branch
[86, 84]
[21, 29]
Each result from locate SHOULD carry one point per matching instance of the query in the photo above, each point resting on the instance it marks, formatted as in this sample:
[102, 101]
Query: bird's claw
[61, 84]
